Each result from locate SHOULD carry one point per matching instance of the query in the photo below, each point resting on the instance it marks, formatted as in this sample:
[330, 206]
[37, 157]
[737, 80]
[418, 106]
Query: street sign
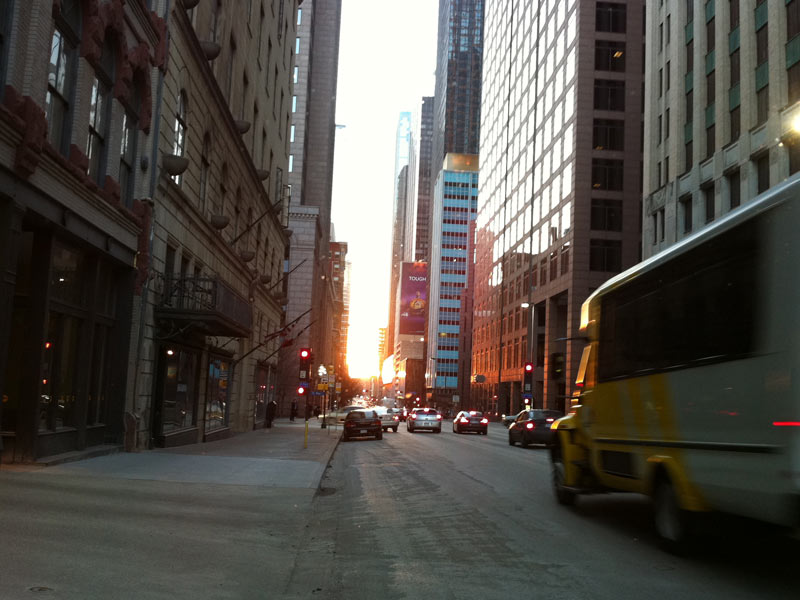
[323, 379]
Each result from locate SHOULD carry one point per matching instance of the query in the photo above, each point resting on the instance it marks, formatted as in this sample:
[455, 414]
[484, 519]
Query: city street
[465, 516]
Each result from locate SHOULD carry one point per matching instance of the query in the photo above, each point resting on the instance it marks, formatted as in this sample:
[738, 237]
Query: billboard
[413, 298]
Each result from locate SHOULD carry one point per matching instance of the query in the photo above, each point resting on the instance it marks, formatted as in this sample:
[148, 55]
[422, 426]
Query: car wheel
[522, 441]
[345, 438]
[510, 439]
[438, 430]
[563, 495]
[379, 436]
[394, 429]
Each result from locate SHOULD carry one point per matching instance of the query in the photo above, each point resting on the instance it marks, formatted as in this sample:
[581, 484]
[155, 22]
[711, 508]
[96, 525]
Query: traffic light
[301, 390]
[527, 381]
[305, 364]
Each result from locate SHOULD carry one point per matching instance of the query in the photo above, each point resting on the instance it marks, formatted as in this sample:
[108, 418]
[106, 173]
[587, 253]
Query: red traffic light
[305, 352]
[301, 391]
[528, 367]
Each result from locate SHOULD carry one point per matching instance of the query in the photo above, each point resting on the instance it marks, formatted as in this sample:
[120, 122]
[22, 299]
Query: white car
[390, 418]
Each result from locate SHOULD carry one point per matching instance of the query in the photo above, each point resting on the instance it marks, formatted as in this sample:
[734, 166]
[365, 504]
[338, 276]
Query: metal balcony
[207, 303]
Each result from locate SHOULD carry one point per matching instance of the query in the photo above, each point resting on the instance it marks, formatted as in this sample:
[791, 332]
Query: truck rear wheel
[671, 521]
[564, 495]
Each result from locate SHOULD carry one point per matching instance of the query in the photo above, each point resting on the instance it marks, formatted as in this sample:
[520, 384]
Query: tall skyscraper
[456, 131]
[459, 66]
[560, 200]
[422, 236]
[399, 209]
[455, 203]
[307, 189]
[722, 108]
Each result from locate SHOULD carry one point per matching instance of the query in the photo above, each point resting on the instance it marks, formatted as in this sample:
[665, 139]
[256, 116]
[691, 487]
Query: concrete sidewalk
[218, 520]
[281, 456]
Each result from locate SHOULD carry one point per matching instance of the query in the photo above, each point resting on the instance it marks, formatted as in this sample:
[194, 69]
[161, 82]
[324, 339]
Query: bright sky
[387, 63]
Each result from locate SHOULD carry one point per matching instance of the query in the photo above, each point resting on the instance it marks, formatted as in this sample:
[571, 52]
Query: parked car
[426, 419]
[533, 427]
[389, 418]
[362, 423]
[471, 420]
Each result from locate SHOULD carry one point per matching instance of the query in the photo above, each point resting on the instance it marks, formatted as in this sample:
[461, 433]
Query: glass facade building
[455, 207]
[560, 185]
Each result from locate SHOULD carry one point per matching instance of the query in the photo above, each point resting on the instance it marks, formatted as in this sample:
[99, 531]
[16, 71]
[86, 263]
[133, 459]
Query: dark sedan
[470, 420]
[533, 427]
[362, 423]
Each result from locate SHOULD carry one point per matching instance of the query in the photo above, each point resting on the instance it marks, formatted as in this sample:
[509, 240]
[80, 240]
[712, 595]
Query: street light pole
[322, 372]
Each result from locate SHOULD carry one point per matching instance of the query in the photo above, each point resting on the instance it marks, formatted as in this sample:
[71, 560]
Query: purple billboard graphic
[413, 298]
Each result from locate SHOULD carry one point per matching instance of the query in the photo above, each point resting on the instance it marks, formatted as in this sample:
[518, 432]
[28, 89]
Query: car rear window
[546, 414]
[427, 411]
[475, 413]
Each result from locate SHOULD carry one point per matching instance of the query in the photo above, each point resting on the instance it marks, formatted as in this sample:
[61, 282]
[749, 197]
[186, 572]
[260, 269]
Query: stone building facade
[207, 339]
[77, 84]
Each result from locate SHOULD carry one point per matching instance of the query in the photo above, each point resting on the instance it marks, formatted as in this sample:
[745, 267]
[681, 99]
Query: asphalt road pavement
[465, 516]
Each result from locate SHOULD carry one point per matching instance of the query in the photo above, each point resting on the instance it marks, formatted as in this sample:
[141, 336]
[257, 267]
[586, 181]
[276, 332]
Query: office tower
[721, 111]
[422, 229]
[306, 191]
[560, 196]
[455, 203]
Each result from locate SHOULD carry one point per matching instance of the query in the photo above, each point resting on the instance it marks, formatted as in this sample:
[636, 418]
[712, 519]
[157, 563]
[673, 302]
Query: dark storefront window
[180, 390]
[59, 394]
[217, 398]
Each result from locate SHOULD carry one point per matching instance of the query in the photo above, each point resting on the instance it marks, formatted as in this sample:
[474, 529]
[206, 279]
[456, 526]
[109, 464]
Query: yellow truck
[690, 378]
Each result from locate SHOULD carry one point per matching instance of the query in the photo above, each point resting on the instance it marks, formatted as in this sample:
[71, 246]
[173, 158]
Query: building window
[762, 105]
[609, 94]
[793, 77]
[686, 211]
[607, 174]
[606, 214]
[736, 124]
[688, 158]
[605, 255]
[98, 128]
[609, 56]
[711, 133]
[179, 131]
[690, 56]
[735, 69]
[127, 156]
[708, 198]
[609, 134]
[762, 171]
[734, 189]
[610, 17]
[710, 35]
[711, 88]
[61, 74]
[734, 13]
[205, 166]
[6, 9]
[662, 217]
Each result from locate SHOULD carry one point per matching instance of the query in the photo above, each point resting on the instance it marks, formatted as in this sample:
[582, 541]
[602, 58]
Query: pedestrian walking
[317, 412]
[272, 406]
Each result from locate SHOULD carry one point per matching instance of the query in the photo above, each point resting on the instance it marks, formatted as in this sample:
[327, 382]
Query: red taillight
[786, 423]
[395, 418]
[349, 423]
[484, 421]
[412, 416]
[550, 420]
[530, 425]
[378, 423]
[439, 417]
[464, 420]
